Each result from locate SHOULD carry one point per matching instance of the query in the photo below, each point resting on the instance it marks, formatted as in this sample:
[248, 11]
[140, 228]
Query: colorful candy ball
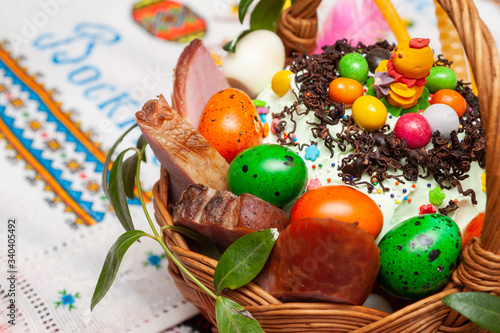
[442, 118]
[419, 255]
[354, 66]
[269, 171]
[451, 98]
[375, 56]
[441, 77]
[369, 113]
[345, 90]
[281, 82]
[414, 129]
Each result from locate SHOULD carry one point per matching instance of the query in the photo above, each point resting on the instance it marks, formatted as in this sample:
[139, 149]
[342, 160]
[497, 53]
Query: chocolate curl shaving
[451, 207]
[298, 26]
[442, 61]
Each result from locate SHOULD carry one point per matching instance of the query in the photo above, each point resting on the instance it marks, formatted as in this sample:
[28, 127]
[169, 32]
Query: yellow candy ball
[369, 113]
[281, 82]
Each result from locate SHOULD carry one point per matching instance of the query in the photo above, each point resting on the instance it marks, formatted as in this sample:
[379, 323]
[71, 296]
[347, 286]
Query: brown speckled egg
[230, 123]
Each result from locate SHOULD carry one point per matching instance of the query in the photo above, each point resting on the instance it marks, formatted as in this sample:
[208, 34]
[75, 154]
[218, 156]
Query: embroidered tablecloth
[72, 75]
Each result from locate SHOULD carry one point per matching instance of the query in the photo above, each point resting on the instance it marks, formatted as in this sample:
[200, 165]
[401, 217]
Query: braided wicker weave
[479, 270]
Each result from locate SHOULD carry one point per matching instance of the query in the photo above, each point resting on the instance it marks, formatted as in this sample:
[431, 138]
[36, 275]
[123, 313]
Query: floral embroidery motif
[67, 299]
[154, 260]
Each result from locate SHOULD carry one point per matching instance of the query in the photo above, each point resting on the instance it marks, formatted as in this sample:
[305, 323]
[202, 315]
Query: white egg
[442, 118]
[259, 55]
[377, 302]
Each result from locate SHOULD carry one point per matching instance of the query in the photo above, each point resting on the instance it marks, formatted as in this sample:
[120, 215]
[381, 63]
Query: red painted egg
[342, 203]
[230, 123]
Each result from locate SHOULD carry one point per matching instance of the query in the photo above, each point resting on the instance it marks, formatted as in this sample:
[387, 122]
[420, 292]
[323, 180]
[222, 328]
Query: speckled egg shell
[418, 256]
[271, 172]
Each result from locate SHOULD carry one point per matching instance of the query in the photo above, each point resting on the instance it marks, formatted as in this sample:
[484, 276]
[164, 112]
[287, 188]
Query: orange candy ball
[345, 90]
[451, 98]
[230, 123]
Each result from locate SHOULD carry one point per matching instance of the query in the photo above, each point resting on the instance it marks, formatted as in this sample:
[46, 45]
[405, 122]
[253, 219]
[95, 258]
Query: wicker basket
[479, 270]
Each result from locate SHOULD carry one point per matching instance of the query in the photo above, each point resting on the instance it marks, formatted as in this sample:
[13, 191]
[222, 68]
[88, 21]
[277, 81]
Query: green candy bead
[441, 77]
[354, 66]
[271, 172]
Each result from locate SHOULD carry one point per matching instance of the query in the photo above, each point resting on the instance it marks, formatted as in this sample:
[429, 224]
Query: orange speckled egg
[342, 203]
[345, 90]
[230, 123]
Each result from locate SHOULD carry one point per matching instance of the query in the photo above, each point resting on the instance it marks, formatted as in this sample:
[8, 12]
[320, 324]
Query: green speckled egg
[418, 256]
[271, 172]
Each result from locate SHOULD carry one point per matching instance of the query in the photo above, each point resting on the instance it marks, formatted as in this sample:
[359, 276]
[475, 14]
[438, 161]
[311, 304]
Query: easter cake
[360, 117]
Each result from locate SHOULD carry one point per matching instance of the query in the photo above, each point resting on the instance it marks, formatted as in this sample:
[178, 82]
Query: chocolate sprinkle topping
[377, 153]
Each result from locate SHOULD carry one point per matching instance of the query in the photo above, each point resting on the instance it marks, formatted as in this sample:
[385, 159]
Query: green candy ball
[418, 256]
[354, 66]
[441, 77]
[271, 172]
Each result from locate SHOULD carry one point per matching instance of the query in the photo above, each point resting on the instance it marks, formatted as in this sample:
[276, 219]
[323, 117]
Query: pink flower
[314, 183]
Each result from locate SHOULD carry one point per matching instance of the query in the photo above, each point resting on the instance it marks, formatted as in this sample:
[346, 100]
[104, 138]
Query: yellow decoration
[483, 181]
[397, 25]
[411, 62]
[369, 113]
[402, 90]
[281, 82]
[382, 66]
[401, 95]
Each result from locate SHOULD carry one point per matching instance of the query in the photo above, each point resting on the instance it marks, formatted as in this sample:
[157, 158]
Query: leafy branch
[237, 266]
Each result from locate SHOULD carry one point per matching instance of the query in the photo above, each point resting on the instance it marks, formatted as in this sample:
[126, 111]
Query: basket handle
[482, 53]
[298, 27]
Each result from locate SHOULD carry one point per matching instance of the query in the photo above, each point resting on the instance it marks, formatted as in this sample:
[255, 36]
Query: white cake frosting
[402, 201]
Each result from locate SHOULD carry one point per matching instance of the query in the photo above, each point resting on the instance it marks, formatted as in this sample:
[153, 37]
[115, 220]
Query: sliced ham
[196, 79]
[223, 217]
[318, 260]
[181, 149]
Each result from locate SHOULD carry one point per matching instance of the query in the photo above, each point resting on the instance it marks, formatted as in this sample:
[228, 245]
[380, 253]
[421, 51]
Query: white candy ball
[259, 55]
[442, 118]
[377, 302]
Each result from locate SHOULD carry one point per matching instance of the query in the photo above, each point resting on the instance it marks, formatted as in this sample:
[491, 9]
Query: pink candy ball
[414, 128]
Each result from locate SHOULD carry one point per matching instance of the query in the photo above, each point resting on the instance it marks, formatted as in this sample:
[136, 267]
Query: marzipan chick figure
[410, 64]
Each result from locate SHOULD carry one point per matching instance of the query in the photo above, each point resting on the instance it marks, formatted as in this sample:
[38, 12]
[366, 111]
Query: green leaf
[117, 195]
[231, 46]
[233, 318]
[266, 15]
[112, 264]
[206, 247]
[104, 178]
[243, 260]
[243, 8]
[128, 175]
[481, 308]
[140, 144]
